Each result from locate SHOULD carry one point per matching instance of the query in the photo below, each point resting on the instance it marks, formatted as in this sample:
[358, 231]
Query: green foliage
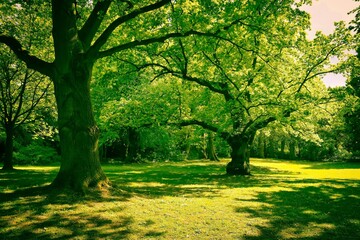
[261, 67]
[30, 22]
[159, 144]
[315, 134]
[352, 128]
[351, 108]
[36, 153]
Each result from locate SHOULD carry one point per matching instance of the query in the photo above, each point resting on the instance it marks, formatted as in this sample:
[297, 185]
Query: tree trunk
[9, 148]
[211, 153]
[261, 145]
[187, 151]
[270, 149]
[240, 156]
[282, 149]
[203, 147]
[80, 163]
[292, 150]
[266, 154]
[133, 151]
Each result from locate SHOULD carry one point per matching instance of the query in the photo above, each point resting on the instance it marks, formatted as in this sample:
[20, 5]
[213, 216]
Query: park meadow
[166, 119]
[188, 200]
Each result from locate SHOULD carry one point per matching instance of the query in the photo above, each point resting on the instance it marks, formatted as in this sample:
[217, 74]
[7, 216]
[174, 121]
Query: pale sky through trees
[323, 15]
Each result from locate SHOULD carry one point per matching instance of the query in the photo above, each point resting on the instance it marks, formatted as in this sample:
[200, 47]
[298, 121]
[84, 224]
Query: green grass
[189, 200]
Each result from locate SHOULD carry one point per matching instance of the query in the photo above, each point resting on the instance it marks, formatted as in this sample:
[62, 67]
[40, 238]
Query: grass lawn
[189, 200]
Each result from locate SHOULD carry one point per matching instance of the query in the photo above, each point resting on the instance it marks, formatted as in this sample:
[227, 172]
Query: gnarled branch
[92, 24]
[207, 126]
[110, 29]
[32, 62]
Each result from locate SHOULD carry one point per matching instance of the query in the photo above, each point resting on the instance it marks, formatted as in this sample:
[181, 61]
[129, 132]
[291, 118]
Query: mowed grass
[188, 200]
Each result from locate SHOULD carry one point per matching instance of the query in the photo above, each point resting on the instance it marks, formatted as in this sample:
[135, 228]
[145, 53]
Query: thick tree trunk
[9, 148]
[240, 156]
[80, 163]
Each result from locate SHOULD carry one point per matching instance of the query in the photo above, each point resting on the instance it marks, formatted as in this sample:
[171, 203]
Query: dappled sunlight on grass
[310, 230]
[23, 177]
[188, 200]
[315, 170]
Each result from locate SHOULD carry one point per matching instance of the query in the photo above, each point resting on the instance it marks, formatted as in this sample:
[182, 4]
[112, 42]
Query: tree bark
[80, 166]
[240, 156]
[71, 74]
[9, 148]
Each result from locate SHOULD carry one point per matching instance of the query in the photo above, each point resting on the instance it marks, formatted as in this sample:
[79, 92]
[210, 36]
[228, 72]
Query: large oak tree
[262, 70]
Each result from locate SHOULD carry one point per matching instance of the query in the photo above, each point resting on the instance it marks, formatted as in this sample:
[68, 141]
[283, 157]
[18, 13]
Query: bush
[35, 154]
[354, 157]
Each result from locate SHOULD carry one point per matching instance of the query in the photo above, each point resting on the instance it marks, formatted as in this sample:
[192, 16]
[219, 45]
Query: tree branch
[92, 24]
[183, 123]
[186, 60]
[20, 98]
[31, 61]
[103, 38]
[34, 103]
[148, 41]
[308, 77]
[254, 125]
[217, 87]
[110, 29]
[217, 64]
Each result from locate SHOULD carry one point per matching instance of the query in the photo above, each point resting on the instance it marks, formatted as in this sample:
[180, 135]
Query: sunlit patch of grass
[309, 231]
[189, 200]
[315, 170]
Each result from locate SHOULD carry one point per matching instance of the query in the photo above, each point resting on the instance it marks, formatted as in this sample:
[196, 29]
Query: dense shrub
[35, 154]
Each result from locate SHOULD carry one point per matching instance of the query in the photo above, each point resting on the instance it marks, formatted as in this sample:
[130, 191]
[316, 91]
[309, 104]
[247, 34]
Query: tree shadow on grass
[193, 180]
[329, 210]
[31, 209]
[43, 213]
[19, 178]
[35, 211]
[302, 211]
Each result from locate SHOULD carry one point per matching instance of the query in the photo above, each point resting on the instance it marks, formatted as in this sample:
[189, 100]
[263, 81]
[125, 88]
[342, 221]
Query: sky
[323, 15]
